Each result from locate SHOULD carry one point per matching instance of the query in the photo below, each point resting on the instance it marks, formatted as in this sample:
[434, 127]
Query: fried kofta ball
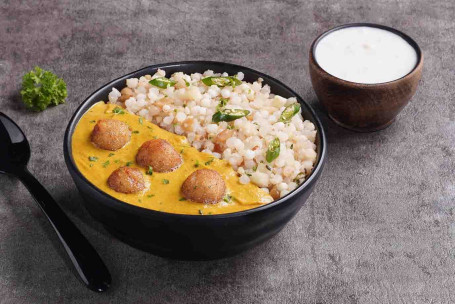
[158, 154]
[126, 180]
[110, 134]
[204, 186]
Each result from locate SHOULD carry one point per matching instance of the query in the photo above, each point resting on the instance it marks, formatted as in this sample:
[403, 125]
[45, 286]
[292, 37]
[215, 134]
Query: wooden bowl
[364, 107]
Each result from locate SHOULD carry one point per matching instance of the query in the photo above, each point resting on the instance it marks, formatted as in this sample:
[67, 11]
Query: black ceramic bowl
[193, 237]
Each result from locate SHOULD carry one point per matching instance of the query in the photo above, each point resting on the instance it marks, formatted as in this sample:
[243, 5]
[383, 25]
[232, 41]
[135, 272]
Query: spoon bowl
[15, 150]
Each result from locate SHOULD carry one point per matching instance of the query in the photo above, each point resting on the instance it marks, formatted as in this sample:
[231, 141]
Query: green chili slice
[229, 114]
[273, 150]
[221, 81]
[162, 82]
[289, 112]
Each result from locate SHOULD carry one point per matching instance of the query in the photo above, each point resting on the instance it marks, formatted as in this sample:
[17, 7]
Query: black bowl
[193, 237]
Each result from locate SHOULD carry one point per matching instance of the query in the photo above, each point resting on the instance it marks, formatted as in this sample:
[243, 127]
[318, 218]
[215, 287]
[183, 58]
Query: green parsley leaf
[41, 89]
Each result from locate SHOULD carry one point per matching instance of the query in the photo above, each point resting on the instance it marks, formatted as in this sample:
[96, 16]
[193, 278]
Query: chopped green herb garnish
[292, 146]
[181, 151]
[139, 200]
[135, 132]
[227, 198]
[229, 115]
[175, 110]
[289, 112]
[105, 164]
[92, 121]
[182, 199]
[165, 181]
[129, 163]
[141, 121]
[150, 195]
[196, 164]
[186, 82]
[149, 171]
[207, 163]
[149, 127]
[200, 212]
[92, 158]
[255, 168]
[273, 150]
[116, 161]
[118, 110]
[221, 81]
[111, 154]
[91, 165]
[230, 127]
[154, 137]
[162, 82]
[210, 213]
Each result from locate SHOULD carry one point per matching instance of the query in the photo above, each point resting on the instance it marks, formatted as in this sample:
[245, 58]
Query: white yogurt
[365, 55]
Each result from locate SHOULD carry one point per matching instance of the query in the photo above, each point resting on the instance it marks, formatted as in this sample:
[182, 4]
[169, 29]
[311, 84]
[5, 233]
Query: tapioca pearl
[244, 179]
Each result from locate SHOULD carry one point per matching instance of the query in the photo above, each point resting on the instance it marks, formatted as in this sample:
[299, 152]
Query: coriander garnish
[105, 164]
[182, 199]
[129, 163]
[149, 171]
[150, 195]
[207, 163]
[118, 110]
[165, 181]
[135, 132]
[141, 121]
[92, 158]
[200, 212]
[111, 154]
[196, 164]
[92, 121]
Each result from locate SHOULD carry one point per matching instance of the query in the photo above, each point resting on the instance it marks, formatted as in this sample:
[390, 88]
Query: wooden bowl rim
[407, 38]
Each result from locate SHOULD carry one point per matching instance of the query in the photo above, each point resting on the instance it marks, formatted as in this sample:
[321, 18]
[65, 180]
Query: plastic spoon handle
[85, 259]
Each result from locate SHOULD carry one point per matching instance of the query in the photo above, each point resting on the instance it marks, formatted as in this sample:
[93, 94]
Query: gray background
[378, 227]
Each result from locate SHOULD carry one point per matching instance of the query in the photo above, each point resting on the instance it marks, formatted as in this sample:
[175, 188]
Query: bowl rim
[124, 206]
[407, 38]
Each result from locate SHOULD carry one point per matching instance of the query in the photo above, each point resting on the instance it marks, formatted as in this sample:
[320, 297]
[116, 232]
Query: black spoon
[14, 156]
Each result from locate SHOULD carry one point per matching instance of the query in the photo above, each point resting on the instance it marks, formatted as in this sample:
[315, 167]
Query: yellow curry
[163, 191]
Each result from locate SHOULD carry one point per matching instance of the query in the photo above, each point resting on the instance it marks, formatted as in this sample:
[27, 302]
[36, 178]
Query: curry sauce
[163, 189]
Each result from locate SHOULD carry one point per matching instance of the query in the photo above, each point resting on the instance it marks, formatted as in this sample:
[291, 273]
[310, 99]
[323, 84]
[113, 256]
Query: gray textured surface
[379, 225]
